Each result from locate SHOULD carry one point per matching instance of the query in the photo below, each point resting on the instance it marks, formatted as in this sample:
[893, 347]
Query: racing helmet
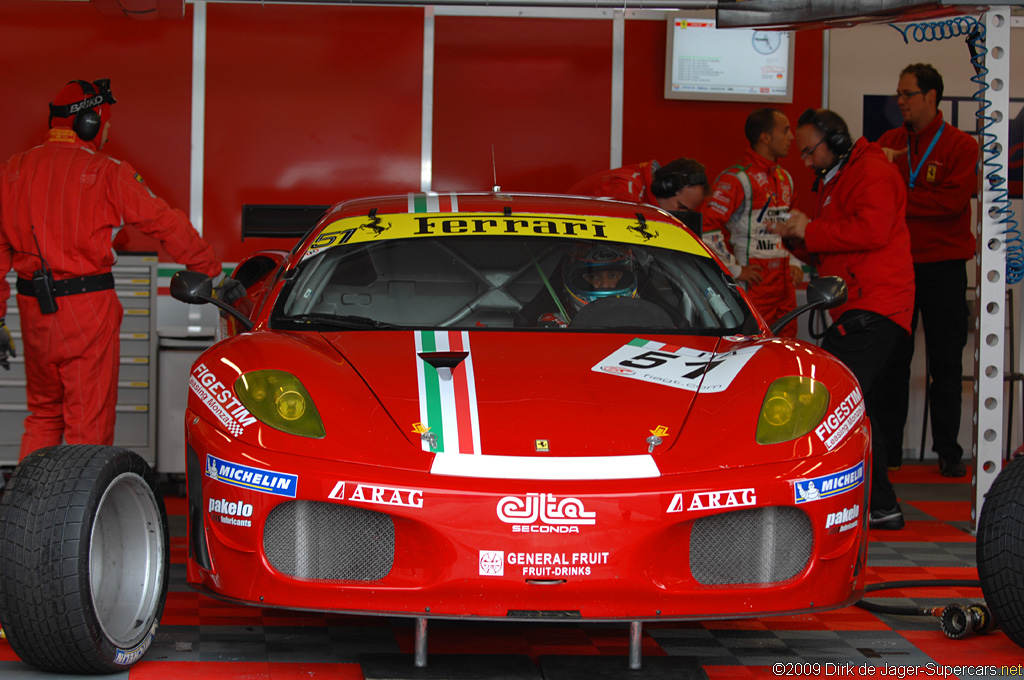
[599, 270]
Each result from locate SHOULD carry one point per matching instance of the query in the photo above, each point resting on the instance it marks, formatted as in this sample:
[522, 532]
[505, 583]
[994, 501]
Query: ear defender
[87, 120]
[836, 138]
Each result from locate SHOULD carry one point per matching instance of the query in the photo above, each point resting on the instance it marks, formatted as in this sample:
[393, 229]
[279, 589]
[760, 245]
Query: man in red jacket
[679, 186]
[59, 205]
[748, 197]
[859, 233]
[938, 163]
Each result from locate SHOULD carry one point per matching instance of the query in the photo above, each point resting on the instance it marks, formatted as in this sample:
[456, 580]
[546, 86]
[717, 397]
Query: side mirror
[192, 287]
[827, 292]
[197, 289]
[824, 292]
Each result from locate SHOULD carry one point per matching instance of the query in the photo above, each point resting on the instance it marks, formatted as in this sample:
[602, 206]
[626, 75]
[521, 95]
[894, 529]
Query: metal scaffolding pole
[990, 300]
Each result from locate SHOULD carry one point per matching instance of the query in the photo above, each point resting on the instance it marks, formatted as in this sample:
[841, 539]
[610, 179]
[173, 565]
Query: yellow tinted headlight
[792, 407]
[278, 399]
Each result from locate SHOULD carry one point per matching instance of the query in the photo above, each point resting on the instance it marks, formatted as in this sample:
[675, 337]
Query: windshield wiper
[340, 321]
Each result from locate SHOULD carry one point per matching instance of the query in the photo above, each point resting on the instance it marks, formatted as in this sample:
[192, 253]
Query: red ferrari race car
[499, 406]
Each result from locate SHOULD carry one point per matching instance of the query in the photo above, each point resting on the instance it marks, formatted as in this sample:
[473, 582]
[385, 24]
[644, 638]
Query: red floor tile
[946, 511]
[992, 649]
[207, 670]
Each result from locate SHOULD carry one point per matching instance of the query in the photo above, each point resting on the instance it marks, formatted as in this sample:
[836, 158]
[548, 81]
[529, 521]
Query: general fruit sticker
[676, 366]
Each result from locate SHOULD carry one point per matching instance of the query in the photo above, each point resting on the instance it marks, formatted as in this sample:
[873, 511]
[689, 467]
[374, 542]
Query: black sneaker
[890, 519]
[952, 468]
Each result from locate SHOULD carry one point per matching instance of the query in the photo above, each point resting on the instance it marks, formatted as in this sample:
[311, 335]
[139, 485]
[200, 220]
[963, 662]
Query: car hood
[531, 394]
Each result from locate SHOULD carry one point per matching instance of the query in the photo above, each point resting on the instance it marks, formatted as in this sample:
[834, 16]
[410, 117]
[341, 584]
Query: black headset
[86, 123]
[836, 136]
[668, 184]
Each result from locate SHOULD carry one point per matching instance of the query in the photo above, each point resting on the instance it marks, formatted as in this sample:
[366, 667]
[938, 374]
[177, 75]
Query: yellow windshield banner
[638, 231]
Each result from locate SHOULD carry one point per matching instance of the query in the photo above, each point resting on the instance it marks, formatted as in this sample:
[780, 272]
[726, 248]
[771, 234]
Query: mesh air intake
[760, 545]
[325, 541]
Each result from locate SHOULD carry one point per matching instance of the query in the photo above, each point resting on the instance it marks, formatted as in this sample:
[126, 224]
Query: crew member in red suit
[746, 198]
[679, 186]
[60, 203]
[859, 233]
[938, 163]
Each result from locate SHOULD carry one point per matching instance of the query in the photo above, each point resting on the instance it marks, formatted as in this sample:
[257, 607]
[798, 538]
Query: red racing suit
[939, 205]
[60, 202]
[860, 234]
[746, 198]
[629, 183]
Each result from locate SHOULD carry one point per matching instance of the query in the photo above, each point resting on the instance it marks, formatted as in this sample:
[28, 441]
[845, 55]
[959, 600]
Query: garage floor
[204, 638]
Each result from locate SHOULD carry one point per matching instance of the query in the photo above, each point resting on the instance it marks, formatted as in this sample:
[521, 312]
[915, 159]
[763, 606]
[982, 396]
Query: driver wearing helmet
[590, 271]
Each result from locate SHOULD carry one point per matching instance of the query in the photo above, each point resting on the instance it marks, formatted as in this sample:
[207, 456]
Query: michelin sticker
[126, 657]
[842, 419]
[675, 366]
[220, 400]
[827, 486]
[253, 479]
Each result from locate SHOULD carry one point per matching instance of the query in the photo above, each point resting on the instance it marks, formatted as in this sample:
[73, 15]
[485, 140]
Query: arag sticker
[676, 366]
[713, 500]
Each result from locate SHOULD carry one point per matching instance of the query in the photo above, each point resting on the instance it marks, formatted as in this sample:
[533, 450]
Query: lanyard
[914, 171]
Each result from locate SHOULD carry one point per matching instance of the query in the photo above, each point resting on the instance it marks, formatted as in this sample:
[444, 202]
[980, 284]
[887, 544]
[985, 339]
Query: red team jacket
[939, 204]
[628, 183]
[74, 211]
[860, 234]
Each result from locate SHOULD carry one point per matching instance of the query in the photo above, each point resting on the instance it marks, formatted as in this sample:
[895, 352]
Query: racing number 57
[650, 359]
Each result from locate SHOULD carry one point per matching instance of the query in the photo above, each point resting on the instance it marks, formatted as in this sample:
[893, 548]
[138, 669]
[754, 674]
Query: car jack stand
[420, 650]
[635, 636]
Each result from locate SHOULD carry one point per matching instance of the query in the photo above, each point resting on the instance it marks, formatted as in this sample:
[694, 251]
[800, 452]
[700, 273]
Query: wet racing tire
[1000, 550]
[84, 556]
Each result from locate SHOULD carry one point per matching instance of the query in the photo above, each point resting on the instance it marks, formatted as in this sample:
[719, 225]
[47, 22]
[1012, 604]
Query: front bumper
[282, 530]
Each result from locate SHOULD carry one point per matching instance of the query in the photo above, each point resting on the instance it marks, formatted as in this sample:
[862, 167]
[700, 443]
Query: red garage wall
[308, 105]
[317, 103]
[536, 90]
[45, 44]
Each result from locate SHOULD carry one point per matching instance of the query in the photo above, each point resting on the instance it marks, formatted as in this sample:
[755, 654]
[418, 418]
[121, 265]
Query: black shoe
[952, 468]
[891, 519]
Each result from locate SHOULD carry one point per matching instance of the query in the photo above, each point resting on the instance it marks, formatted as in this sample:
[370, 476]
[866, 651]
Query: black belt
[79, 284]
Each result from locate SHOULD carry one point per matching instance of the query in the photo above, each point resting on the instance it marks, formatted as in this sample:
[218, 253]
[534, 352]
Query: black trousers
[941, 304]
[866, 348]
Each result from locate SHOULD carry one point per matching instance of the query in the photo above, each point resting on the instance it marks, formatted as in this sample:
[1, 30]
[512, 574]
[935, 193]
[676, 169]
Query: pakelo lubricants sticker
[841, 420]
[220, 400]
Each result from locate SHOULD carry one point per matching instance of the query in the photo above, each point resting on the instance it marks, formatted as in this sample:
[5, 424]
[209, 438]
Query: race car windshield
[511, 283]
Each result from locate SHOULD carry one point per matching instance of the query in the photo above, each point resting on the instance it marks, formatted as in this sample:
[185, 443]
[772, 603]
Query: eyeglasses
[807, 152]
[906, 95]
